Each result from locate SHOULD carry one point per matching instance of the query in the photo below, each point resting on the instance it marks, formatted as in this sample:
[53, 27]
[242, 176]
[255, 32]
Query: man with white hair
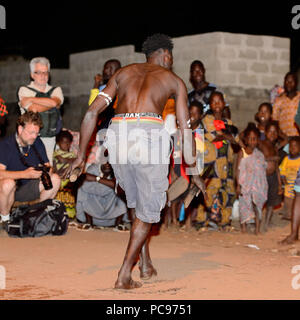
[40, 97]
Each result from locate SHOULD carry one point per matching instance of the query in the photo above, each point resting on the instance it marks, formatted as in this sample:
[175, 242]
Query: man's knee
[7, 186]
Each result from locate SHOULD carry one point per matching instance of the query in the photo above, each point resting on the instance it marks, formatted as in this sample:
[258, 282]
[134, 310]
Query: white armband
[189, 123]
[106, 97]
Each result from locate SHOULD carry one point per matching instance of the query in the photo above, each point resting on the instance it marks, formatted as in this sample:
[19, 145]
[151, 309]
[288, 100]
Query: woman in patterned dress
[220, 135]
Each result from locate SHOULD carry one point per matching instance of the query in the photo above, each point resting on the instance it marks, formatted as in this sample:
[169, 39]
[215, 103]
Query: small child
[269, 148]
[62, 158]
[262, 117]
[295, 225]
[252, 185]
[288, 171]
[196, 113]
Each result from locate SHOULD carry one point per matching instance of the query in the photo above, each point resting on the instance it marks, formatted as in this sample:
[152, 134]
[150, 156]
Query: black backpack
[52, 120]
[44, 218]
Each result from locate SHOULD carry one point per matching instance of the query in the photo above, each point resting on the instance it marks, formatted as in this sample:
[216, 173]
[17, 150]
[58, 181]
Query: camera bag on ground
[37, 220]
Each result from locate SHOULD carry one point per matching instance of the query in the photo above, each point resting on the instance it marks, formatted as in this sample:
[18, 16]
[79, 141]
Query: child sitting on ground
[270, 151]
[62, 158]
[288, 171]
[252, 186]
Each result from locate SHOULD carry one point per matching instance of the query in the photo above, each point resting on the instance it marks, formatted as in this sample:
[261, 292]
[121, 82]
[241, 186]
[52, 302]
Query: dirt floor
[192, 265]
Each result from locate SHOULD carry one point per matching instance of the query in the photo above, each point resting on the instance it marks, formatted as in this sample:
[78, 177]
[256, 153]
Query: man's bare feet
[129, 285]
[148, 273]
[289, 240]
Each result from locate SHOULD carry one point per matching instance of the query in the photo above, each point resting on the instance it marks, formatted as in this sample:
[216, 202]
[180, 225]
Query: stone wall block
[259, 67]
[248, 54]
[268, 55]
[248, 80]
[254, 41]
[237, 66]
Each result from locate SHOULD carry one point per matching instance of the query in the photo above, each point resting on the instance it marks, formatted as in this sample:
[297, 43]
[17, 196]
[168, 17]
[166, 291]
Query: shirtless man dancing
[143, 90]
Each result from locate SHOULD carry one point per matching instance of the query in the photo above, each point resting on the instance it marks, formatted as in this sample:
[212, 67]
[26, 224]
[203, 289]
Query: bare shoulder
[176, 77]
[125, 70]
[178, 82]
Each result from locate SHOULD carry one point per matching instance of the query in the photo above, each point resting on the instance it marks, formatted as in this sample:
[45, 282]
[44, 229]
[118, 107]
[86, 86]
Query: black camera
[46, 180]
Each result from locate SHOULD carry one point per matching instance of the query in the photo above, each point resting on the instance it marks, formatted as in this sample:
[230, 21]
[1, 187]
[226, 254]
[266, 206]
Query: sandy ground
[191, 265]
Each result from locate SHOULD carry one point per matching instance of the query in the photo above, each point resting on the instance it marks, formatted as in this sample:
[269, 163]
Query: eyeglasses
[31, 133]
[39, 73]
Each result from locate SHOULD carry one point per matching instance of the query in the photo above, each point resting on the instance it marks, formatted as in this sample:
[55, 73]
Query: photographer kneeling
[25, 173]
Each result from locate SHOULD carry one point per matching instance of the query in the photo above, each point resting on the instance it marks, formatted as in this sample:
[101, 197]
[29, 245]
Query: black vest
[50, 117]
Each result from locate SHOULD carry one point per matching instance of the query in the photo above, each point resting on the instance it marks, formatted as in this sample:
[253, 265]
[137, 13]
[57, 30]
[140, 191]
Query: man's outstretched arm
[90, 119]
[182, 115]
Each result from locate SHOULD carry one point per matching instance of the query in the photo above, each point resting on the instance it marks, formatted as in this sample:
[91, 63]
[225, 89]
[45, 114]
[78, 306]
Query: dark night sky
[60, 28]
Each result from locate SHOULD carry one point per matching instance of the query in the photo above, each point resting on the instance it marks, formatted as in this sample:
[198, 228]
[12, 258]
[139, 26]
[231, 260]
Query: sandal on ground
[73, 224]
[84, 227]
[101, 228]
[121, 227]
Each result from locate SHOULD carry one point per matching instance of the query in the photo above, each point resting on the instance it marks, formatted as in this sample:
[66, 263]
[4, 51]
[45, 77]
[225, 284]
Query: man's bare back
[144, 87]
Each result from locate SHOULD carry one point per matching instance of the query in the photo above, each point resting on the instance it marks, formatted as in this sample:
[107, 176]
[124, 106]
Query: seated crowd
[257, 168]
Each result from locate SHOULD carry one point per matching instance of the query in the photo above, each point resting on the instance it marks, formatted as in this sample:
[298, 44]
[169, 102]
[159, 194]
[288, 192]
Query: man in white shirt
[40, 97]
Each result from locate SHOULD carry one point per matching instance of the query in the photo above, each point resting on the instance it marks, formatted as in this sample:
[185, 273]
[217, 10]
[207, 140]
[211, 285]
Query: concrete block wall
[84, 66]
[13, 73]
[234, 60]
[61, 78]
[244, 66]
